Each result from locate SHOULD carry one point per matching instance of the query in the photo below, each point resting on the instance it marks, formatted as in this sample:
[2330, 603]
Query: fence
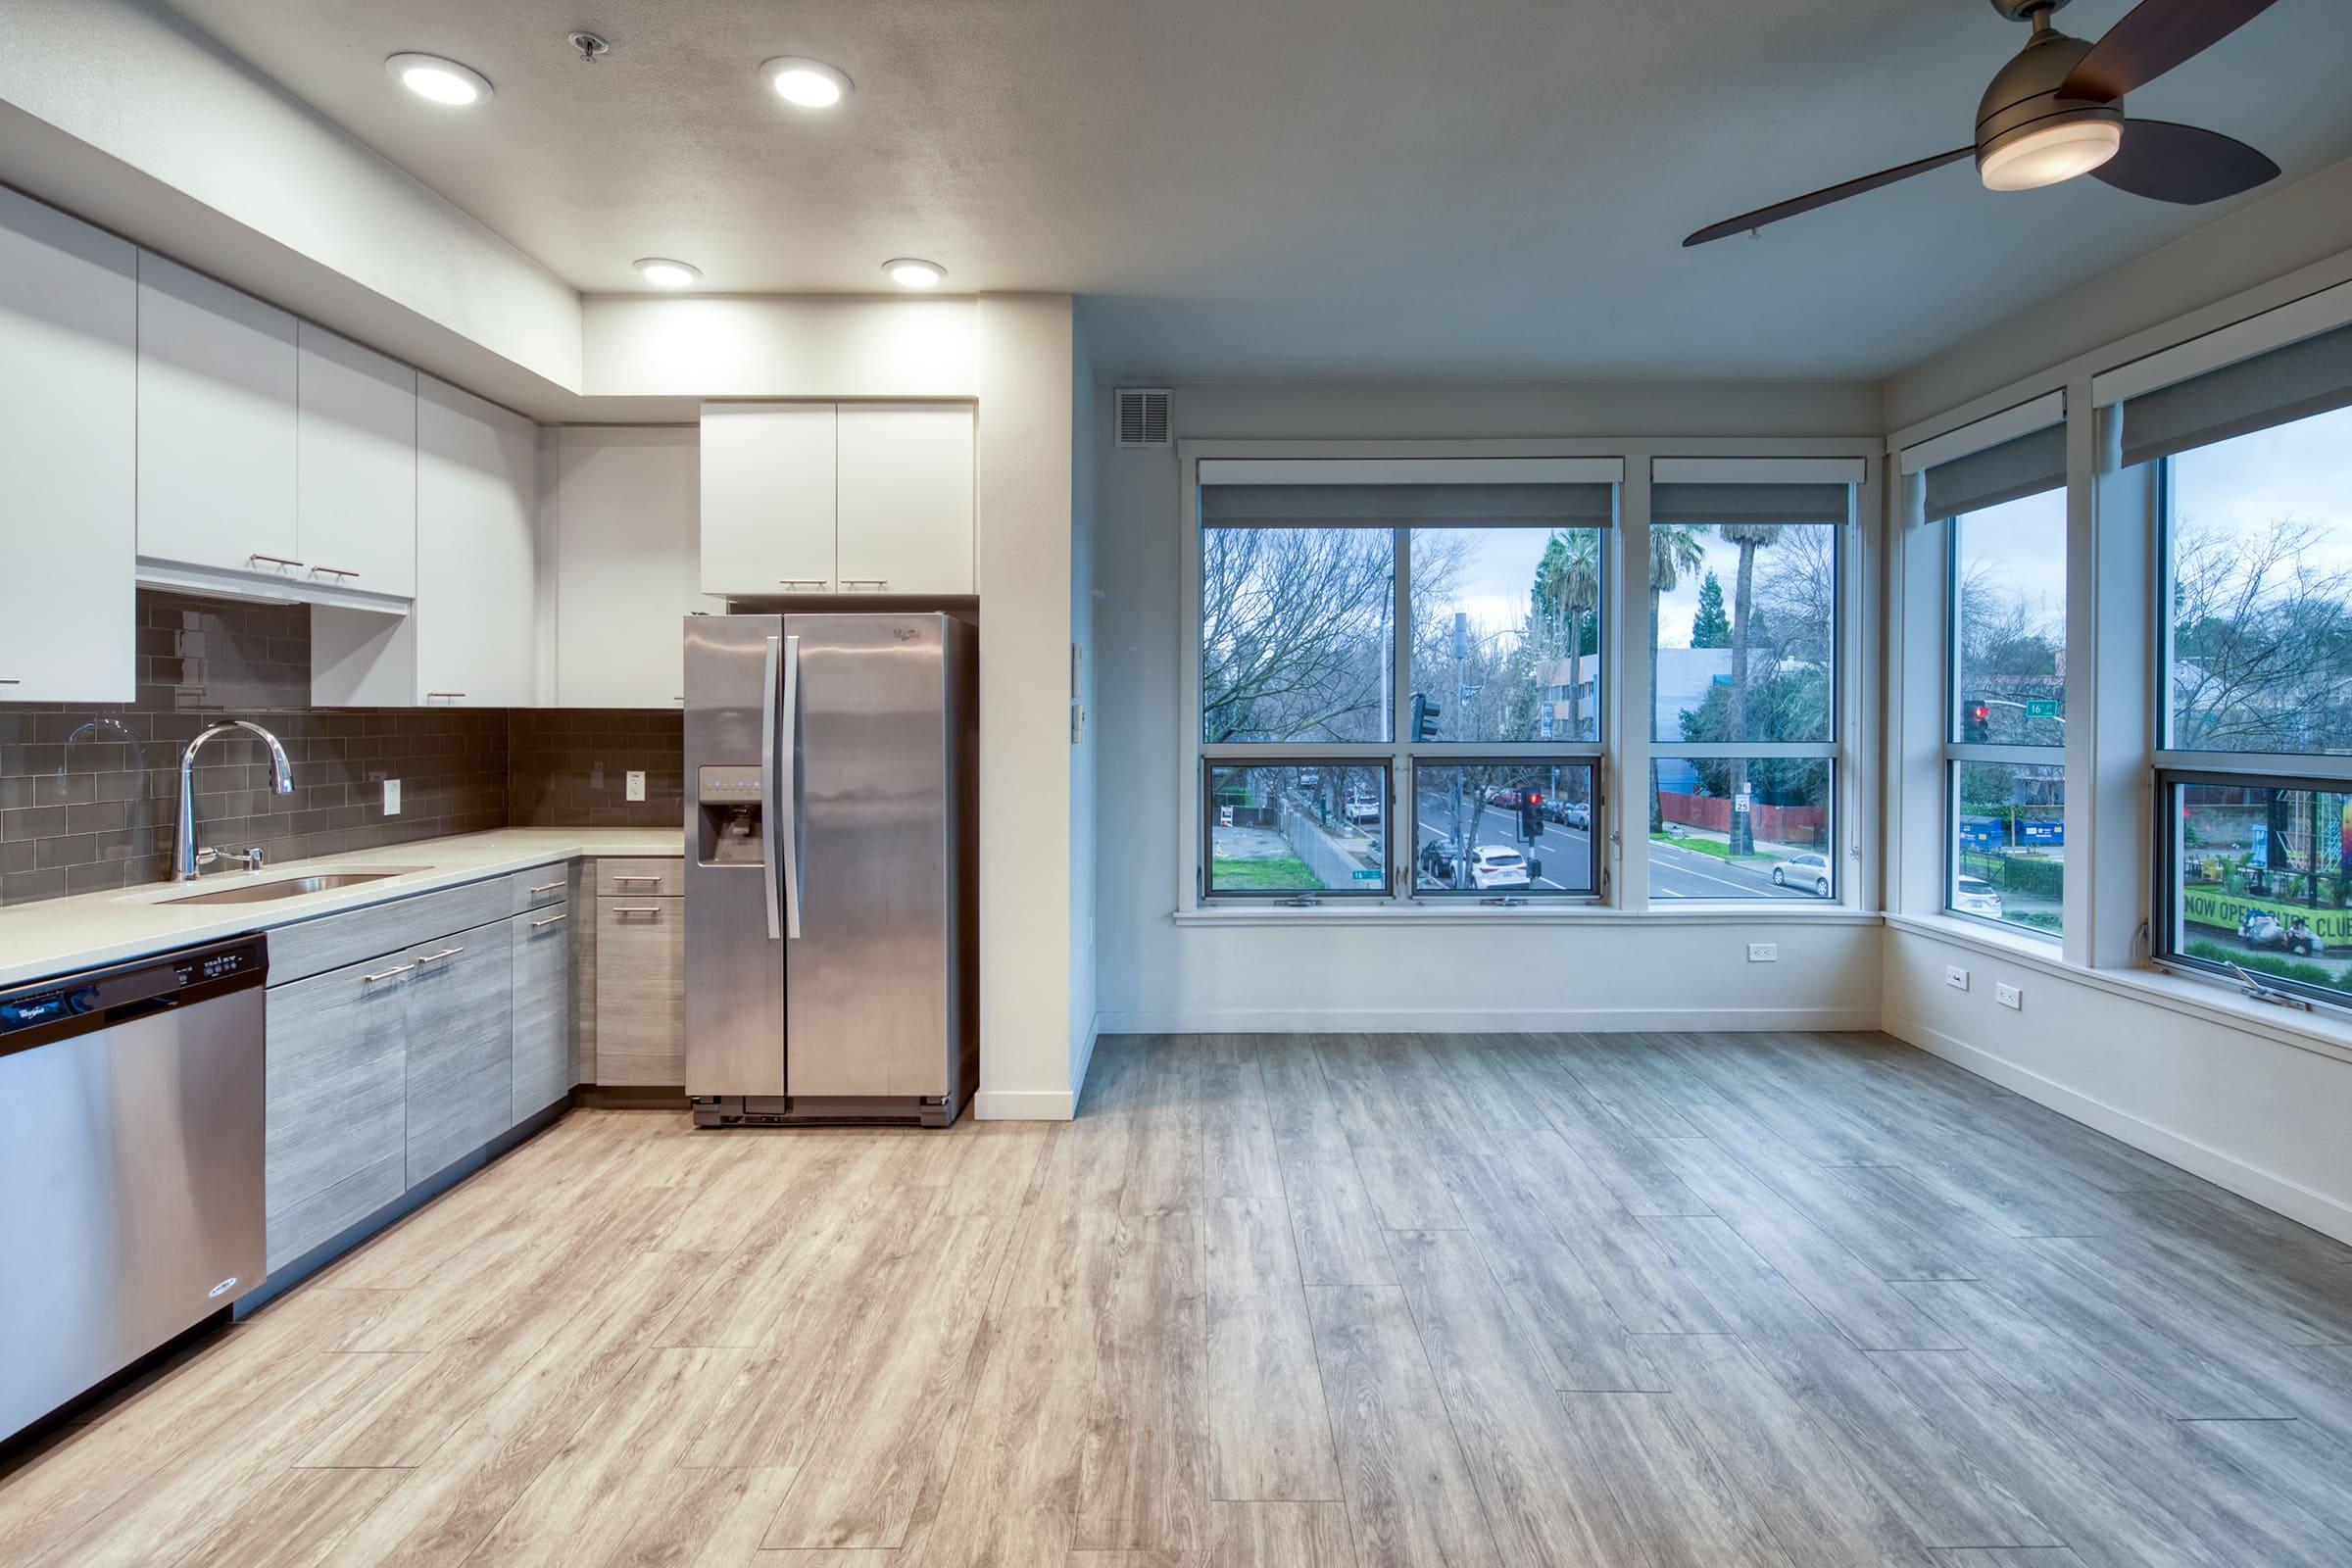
[1774, 824]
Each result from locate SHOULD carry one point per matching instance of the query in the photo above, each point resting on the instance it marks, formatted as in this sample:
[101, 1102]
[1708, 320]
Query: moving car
[1494, 867]
[1973, 895]
[1805, 872]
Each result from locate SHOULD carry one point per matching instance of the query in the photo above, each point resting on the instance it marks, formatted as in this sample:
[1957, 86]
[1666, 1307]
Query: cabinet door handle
[430, 696]
[274, 561]
[10, 680]
[436, 958]
[636, 909]
[386, 974]
[653, 879]
[801, 582]
[550, 921]
[545, 887]
[331, 572]
[869, 582]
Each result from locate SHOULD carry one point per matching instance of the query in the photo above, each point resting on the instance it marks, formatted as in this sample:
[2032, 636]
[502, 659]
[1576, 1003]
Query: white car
[1804, 871]
[1973, 895]
[1361, 808]
[1494, 867]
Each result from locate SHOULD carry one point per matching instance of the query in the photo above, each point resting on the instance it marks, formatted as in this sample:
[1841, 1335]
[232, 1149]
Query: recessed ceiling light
[809, 84]
[908, 272]
[663, 273]
[444, 81]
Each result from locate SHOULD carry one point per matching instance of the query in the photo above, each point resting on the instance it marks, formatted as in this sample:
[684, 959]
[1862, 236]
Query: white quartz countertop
[89, 930]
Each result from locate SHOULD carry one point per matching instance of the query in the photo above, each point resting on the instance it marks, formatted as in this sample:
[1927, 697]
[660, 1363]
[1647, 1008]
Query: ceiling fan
[2057, 111]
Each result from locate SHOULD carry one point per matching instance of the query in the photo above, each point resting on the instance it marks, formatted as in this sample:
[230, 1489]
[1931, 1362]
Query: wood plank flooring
[1281, 1301]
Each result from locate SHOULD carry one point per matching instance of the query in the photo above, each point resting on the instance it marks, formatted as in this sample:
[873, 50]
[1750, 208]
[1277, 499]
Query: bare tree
[2262, 640]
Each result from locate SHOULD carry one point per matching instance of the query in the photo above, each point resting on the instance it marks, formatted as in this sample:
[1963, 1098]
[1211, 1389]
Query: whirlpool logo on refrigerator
[223, 1289]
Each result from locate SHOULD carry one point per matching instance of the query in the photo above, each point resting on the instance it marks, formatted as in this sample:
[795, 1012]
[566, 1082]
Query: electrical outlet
[1955, 977]
[391, 797]
[2008, 996]
[1763, 952]
[636, 788]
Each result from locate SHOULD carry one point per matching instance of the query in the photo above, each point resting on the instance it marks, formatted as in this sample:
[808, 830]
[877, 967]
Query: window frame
[2165, 944]
[1406, 874]
[1953, 753]
[1623, 748]
[1295, 757]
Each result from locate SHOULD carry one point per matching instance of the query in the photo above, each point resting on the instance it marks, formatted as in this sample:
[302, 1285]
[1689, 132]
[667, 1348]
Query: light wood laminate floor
[1651, 1300]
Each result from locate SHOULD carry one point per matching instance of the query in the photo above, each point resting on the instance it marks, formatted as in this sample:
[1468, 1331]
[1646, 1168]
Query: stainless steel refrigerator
[831, 867]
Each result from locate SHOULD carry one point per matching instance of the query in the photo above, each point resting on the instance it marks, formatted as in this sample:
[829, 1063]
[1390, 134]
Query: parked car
[1435, 863]
[1494, 867]
[1509, 800]
[1805, 872]
[1574, 814]
[1361, 808]
[1973, 895]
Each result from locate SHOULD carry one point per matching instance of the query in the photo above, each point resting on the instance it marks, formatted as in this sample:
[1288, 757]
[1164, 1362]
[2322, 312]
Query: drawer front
[540, 886]
[641, 991]
[545, 1011]
[461, 1058]
[655, 877]
[330, 942]
[335, 1105]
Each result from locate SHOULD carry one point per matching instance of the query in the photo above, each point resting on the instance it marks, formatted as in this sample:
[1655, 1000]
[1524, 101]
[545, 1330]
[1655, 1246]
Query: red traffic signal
[1534, 798]
[1982, 713]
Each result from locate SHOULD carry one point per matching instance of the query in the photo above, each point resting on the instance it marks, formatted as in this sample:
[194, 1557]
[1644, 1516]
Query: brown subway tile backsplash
[88, 793]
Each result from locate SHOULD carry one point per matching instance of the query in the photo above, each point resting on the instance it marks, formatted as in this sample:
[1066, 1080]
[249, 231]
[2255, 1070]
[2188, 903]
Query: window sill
[2325, 1033]
[1762, 912]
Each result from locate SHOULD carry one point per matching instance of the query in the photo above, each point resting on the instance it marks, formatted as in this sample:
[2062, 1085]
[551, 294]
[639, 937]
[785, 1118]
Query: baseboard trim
[2296, 1202]
[1456, 1020]
[1024, 1104]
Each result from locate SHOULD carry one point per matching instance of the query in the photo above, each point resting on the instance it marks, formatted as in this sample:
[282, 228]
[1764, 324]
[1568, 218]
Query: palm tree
[1674, 549]
[1567, 584]
[1751, 537]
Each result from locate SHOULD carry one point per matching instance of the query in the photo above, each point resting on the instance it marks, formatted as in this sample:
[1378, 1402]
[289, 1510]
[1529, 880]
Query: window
[2252, 469]
[2005, 512]
[1432, 636]
[1744, 636]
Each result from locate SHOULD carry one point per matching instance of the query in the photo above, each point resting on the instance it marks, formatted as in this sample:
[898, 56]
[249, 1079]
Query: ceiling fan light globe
[2049, 154]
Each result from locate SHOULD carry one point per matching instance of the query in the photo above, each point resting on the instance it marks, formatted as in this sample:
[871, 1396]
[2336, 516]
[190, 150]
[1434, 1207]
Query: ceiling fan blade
[2153, 37]
[1822, 198]
[2181, 164]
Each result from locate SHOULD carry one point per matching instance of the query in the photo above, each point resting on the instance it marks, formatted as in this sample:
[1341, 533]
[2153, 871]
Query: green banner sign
[2203, 906]
[2041, 708]
[1366, 873]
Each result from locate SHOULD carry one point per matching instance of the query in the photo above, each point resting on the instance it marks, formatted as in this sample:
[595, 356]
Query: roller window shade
[1411, 506]
[2295, 382]
[1749, 503]
[2024, 467]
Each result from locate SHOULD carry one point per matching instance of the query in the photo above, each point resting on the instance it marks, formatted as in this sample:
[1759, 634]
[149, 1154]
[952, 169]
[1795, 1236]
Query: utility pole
[1461, 835]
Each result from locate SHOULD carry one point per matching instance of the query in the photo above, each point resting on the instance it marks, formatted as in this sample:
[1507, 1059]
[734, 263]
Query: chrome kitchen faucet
[186, 856]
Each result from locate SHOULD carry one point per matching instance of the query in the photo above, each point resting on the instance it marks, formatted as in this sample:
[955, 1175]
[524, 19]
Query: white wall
[1279, 971]
[1026, 355]
[124, 113]
[777, 346]
[1084, 865]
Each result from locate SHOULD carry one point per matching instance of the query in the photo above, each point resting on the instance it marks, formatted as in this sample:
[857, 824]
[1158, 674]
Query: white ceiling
[1252, 189]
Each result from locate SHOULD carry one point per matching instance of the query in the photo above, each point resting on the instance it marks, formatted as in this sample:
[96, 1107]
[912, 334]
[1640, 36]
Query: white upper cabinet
[627, 563]
[815, 498]
[473, 638]
[767, 497]
[69, 321]
[355, 476]
[904, 505]
[216, 424]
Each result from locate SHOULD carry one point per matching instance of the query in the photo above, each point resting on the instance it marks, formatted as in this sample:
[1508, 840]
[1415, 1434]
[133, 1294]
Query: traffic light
[1976, 723]
[1424, 718]
[1530, 816]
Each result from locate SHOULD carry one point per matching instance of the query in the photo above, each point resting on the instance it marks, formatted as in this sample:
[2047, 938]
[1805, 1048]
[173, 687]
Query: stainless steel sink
[291, 887]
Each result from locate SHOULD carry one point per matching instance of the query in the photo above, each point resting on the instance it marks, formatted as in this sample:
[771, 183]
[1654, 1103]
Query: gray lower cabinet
[545, 1013]
[336, 1102]
[641, 991]
[461, 1061]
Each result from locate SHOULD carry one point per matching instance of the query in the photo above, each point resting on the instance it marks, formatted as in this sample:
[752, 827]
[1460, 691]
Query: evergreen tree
[1711, 627]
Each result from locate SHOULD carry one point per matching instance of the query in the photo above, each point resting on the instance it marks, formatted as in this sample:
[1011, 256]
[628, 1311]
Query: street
[1675, 872]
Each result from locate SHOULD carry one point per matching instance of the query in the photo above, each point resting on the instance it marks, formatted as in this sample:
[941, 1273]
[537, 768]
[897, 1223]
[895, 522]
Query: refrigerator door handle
[769, 818]
[787, 755]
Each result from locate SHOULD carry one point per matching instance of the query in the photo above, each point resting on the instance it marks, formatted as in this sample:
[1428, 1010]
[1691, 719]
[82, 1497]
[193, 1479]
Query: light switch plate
[1955, 977]
[1763, 952]
[391, 797]
[2008, 996]
[636, 789]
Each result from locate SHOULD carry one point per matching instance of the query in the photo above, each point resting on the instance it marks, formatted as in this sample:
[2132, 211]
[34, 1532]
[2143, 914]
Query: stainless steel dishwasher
[130, 1164]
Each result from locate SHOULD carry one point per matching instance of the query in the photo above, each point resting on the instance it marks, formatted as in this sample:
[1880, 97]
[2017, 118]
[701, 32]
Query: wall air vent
[1143, 416]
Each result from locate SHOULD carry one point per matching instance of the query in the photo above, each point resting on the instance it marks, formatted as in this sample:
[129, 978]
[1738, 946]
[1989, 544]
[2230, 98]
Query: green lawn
[1282, 874]
[1718, 847]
